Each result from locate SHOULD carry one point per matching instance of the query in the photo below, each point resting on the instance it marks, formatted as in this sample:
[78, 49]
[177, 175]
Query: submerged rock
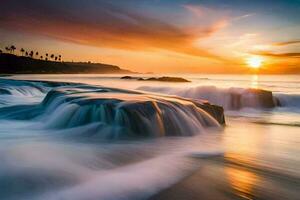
[122, 114]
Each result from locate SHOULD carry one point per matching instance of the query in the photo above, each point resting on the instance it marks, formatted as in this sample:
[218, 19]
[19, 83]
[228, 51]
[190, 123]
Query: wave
[22, 88]
[13, 92]
[231, 98]
[288, 100]
[113, 114]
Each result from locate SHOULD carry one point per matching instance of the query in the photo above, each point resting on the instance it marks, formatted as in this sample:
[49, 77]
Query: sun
[254, 62]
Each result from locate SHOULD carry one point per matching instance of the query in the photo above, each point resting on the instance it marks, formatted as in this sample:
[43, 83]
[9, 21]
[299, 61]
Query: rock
[127, 77]
[162, 79]
[258, 98]
[167, 79]
[215, 111]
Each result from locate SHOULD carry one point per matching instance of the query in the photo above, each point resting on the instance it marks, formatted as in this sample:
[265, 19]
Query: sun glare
[255, 62]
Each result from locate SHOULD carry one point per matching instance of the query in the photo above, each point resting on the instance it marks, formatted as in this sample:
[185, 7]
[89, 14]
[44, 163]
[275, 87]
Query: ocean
[60, 141]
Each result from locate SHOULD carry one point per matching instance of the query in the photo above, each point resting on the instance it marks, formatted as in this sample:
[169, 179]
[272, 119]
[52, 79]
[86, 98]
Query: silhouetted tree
[7, 49]
[26, 53]
[46, 56]
[37, 54]
[59, 57]
[52, 56]
[41, 57]
[22, 51]
[12, 48]
[31, 54]
[55, 58]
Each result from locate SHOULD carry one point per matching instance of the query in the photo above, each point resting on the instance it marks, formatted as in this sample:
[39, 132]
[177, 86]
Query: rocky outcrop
[114, 113]
[162, 79]
[253, 98]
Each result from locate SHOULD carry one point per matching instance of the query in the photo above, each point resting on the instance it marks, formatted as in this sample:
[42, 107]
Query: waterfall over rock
[113, 113]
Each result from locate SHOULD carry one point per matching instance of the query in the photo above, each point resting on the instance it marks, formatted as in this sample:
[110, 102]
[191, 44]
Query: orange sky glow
[189, 38]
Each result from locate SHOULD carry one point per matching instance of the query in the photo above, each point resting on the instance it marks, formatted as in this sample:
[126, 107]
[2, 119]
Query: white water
[65, 142]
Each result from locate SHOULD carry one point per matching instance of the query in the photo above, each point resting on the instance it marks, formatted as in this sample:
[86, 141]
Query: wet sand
[222, 180]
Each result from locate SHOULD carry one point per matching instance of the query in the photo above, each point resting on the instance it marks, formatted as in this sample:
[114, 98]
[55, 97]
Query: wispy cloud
[286, 43]
[279, 55]
[198, 11]
[242, 17]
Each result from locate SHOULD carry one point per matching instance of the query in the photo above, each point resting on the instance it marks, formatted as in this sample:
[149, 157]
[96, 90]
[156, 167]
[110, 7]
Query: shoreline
[216, 179]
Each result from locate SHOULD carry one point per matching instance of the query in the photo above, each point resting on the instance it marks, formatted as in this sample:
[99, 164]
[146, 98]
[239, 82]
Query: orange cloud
[280, 55]
[110, 27]
[286, 43]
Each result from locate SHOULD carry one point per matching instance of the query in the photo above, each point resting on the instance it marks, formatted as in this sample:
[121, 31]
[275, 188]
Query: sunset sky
[212, 36]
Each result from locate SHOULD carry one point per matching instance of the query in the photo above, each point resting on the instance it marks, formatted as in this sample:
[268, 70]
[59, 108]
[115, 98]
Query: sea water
[255, 156]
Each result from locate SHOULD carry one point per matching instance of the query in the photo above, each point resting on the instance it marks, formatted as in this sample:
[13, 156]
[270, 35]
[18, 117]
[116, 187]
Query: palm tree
[31, 54]
[7, 49]
[55, 58]
[52, 56]
[41, 57]
[59, 57]
[22, 51]
[37, 54]
[46, 56]
[26, 53]
[12, 48]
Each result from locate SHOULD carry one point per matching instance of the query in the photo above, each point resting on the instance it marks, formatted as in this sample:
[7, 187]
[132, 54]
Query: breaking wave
[232, 98]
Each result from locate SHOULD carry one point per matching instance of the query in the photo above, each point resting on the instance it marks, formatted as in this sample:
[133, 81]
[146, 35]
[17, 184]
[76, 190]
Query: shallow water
[256, 156]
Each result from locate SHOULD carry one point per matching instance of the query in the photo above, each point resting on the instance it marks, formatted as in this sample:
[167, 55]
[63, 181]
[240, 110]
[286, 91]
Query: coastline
[12, 64]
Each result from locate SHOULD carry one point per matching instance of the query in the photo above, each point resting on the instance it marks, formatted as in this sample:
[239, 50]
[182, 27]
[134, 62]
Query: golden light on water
[254, 62]
[243, 182]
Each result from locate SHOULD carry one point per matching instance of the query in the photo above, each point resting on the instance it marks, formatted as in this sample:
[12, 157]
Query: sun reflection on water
[242, 181]
[254, 81]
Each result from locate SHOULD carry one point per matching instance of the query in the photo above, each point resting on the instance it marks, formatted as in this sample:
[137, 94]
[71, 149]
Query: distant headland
[33, 63]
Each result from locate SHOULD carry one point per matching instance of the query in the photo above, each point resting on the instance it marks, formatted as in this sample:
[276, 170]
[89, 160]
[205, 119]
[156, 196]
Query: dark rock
[260, 98]
[215, 111]
[162, 79]
[167, 79]
[127, 77]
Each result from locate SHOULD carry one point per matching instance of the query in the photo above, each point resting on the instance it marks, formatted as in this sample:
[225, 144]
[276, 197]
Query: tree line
[11, 49]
